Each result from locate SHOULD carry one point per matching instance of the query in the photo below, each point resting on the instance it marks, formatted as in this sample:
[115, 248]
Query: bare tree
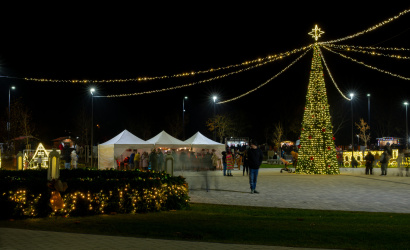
[220, 123]
[278, 132]
[363, 127]
[21, 119]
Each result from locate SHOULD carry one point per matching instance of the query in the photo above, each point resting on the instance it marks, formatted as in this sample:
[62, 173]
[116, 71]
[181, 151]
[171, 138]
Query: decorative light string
[373, 53]
[266, 82]
[371, 67]
[331, 77]
[369, 29]
[347, 47]
[194, 83]
[192, 73]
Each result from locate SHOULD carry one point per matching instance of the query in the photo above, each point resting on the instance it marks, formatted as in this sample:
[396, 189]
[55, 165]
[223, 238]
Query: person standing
[74, 159]
[224, 162]
[160, 163]
[144, 161]
[67, 156]
[255, 157]
[230, 162]
[384, 160]
[153, 160]
[369, 163]
[131, 161]
[137, 159]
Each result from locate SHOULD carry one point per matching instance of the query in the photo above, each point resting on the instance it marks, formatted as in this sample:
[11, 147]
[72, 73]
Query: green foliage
[25, 194]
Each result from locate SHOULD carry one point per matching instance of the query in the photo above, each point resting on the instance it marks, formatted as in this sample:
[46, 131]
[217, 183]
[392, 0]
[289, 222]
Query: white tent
[198, 140]
[110, 150]
[163, 139]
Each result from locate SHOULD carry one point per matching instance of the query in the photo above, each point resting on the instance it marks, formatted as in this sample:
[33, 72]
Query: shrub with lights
[25, 194]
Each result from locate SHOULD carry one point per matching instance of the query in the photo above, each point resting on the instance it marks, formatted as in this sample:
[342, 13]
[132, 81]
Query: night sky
[120, 42]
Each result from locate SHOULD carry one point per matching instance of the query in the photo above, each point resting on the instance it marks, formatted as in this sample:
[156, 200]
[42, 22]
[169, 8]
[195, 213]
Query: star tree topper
[316, 32]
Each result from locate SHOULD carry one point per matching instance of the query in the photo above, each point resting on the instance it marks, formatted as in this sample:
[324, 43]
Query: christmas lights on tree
[317, 152]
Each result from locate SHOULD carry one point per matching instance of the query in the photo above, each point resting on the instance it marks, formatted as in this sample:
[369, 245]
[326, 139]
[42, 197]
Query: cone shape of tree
[317, 152]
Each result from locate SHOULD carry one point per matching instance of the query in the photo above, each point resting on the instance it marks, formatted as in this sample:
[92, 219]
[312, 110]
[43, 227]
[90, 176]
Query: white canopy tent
[198, 140]
[110, 150]
[165, 140]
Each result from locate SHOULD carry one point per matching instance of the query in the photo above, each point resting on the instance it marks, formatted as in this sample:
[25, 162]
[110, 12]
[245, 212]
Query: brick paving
[347, 191]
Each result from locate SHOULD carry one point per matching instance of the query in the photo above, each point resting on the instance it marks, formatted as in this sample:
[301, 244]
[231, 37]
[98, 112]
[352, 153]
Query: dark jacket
[255, 157]
[369, 159]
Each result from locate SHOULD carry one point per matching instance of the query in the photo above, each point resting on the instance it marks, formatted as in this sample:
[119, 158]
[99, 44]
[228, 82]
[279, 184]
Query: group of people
[384, 161]
[183, 160]
[251, 159]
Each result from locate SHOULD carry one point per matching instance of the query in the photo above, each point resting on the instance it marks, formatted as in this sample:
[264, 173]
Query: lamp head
[214, 97]
[351, 95]
[406, 103]
[13, 87]
[368, 95]
[92, 90]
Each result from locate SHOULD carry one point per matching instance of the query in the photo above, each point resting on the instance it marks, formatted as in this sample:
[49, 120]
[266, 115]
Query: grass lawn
[244, 225]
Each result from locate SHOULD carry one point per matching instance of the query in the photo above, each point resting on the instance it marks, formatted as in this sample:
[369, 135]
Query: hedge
[28, 194]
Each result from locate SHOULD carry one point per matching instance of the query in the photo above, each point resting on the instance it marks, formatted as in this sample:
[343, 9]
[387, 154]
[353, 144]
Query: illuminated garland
[195, 83]
[369, 29]
[263, 84]
[373, 53]
[192, 73]
[347, 47]
[371, 67]
[331, 77]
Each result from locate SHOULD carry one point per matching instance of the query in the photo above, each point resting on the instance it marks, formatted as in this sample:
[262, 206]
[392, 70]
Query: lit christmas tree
[317, 152]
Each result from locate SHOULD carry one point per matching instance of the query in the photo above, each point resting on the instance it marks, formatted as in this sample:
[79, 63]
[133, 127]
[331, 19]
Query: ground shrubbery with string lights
[28, 194]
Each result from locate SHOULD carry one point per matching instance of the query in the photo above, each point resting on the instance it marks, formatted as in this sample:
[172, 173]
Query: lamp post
[92, 90]
[351, 107]
[183, 116]
[407, 130]
[214, 98]
[368, 110]
[8, 123]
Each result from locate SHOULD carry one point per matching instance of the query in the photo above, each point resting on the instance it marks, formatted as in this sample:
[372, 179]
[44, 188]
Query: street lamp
[92, 90]
[8, 123]
[351, 107]
[183, 116]
[214, 98]
[407, 130]
[368, 109]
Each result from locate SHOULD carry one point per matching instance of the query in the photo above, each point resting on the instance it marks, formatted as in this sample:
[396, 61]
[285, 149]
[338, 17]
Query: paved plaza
[347, 191]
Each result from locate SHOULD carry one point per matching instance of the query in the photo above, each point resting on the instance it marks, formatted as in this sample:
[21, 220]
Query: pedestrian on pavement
[255, 157]
[384, 160]
[354, 162]
[224, 162]
[369, 163]
[137, 159]
[245, 163]
[67, 156]
[230, 162]
[214, 159]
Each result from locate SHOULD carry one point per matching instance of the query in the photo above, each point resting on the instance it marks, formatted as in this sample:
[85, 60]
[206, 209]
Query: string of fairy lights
[331, 77]
[269, 80]
[366, 65]
[251, 64]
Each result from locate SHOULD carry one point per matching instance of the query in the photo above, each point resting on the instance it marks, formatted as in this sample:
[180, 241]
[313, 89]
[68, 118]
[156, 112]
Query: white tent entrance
[109, 151]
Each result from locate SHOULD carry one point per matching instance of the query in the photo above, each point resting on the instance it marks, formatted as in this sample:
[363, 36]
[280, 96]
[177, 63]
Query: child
[230, 163]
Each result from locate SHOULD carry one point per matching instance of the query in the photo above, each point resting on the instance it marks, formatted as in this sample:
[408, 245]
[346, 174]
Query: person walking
[369, 163]
[245, 162]
[224, 162]
[384, 160]
[214, 159]
[255, 157]
[230, 162]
